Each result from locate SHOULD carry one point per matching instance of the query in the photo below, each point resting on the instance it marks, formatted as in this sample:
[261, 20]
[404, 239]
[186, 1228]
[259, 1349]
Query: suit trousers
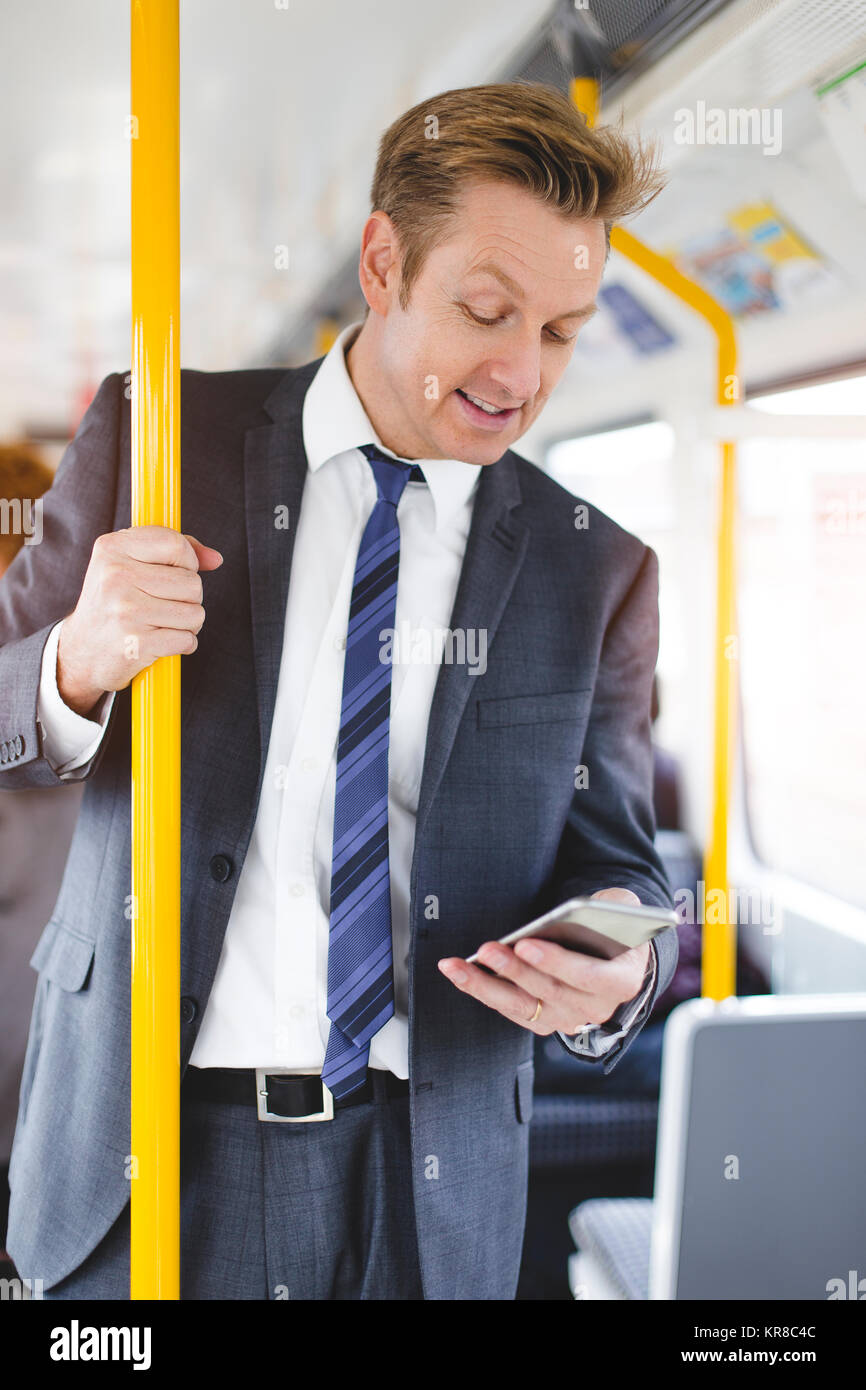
[321, 1210]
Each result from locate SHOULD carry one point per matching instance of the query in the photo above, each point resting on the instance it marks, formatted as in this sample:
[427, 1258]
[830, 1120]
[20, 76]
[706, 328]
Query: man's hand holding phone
[548, 988]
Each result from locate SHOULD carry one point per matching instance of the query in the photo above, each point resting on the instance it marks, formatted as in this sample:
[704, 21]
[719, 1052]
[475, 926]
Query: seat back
[761, 1150]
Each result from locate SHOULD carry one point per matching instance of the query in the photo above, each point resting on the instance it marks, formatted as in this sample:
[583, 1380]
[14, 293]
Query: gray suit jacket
[501, 835]
[35, 833]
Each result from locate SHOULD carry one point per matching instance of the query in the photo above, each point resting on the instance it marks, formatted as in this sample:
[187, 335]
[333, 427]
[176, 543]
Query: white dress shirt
[267, 1005]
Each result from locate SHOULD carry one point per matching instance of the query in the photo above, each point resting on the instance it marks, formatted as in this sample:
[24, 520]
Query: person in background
[36, 828]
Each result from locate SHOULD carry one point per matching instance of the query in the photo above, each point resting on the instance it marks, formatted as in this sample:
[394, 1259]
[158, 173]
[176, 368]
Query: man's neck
[385, 416]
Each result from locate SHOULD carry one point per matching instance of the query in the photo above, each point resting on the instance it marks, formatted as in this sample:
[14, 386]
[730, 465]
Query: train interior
[759, 108]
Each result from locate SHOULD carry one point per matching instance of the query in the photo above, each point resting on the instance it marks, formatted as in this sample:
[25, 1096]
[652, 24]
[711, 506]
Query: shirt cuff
[68, 739]
[598, 1039]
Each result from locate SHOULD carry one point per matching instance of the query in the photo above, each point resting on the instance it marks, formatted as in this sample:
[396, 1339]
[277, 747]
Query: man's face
[493, 315]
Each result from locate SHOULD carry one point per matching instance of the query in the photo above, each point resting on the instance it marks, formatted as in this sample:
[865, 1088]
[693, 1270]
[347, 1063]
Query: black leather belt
[295, 1096]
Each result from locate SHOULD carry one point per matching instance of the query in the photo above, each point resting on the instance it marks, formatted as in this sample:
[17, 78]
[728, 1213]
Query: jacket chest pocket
[63, 956]
[569, 707]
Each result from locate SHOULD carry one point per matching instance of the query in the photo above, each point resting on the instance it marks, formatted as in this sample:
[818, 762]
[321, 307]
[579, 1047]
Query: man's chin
[487, 460]
[474, 450]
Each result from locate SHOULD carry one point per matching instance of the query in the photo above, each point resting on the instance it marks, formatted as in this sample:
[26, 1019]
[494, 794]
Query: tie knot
[391, 475]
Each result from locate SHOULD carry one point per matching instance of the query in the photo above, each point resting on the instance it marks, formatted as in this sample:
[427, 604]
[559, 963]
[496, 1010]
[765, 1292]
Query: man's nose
[517, 368]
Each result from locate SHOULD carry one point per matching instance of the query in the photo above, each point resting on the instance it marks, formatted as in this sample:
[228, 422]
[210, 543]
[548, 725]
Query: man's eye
[478, 319]
[488, 323]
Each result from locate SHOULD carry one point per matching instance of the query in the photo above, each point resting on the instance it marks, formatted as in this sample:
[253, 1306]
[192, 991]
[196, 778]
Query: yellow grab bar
[719, 957]
[154, 1160]
[586, 96]
[719, 954]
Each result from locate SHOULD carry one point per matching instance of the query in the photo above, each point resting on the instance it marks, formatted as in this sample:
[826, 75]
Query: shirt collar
[334, 421]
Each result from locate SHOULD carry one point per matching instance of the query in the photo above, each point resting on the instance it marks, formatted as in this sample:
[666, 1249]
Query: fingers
[159, 545]
[167, 581]
[516, 989]
[208, 558]
[583, 973]
[617, 895]
[141, 599]
[499, 994]
[607, 982]
[149, 575]
[561, 1001]
[576, 991]
[163, 613]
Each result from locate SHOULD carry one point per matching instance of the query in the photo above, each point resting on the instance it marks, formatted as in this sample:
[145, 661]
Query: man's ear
[380, 262]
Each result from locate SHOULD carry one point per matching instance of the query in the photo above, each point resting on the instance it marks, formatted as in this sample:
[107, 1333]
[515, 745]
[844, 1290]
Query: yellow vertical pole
[327, 331]
[586, 96]
[719, 954]
[155, 1082]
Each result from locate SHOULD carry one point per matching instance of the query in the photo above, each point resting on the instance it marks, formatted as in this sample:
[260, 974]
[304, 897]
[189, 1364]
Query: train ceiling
[281, 110]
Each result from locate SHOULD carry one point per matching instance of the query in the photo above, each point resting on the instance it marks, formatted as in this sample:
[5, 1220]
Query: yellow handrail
[326, 333]
[154, 1161]
[586, 96]
[718, 965]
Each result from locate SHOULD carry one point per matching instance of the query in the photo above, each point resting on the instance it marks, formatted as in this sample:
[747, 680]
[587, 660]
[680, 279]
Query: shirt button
[297, 1011]
[297, 890]
[309, 764]
[339, 644]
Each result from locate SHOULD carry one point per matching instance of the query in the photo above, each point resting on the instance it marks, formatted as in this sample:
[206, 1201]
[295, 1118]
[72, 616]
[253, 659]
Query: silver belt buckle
[262, 1096]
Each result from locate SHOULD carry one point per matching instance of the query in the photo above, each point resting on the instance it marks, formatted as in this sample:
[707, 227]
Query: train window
[629, 473]
[626, 472]
[801, 577]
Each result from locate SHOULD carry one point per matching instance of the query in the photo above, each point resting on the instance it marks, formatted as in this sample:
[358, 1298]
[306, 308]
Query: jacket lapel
[495, 550]
[275, 469]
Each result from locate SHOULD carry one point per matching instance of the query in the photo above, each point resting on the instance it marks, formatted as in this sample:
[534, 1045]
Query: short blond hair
[524, 133]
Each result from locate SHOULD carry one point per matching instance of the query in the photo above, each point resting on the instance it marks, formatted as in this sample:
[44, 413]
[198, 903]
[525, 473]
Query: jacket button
[19, 744]
[4, 752]
[221, 868]
[188, 1009]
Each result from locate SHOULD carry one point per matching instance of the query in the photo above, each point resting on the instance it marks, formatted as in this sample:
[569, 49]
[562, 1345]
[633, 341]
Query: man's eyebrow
[491, 268]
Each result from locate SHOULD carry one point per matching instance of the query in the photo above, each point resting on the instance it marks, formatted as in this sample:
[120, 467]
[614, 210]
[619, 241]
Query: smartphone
[595, 927]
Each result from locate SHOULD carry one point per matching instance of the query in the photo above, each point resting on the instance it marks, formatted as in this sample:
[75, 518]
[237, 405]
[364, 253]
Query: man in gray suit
[35, 830]
[378, 776]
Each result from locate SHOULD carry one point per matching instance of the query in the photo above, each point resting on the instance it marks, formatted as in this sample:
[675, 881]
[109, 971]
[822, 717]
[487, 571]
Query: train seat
[750, 1200]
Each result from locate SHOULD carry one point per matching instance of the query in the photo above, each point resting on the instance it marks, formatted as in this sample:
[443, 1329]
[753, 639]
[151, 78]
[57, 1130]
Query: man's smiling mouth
[485, 405]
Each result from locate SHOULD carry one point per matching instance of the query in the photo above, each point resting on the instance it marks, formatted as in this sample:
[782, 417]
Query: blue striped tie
[360, 975]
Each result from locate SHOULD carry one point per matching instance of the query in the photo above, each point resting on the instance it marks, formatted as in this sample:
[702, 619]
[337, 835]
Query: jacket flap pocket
[63, 957]
[523, 1087]
[567, 706]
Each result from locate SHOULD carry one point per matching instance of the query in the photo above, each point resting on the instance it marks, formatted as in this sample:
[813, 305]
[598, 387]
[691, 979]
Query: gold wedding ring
[537, 1015]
